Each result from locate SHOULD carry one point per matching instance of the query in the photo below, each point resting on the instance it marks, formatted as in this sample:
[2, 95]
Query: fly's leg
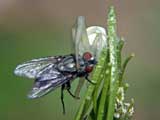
[62, 98]
[85, 118]
[68, 89]
[86, 77]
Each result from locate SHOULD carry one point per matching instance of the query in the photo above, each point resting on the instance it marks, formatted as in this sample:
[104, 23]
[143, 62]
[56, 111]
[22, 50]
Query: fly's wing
[47, 81]
[46, 76]
[31, 68]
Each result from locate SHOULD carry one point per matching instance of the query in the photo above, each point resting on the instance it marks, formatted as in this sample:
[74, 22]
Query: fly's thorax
[81, 65]
[84, 64]
[67, 65]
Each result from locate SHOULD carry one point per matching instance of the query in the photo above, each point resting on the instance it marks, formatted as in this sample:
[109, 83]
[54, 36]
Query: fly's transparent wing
[45, 73]
[40, 89]
[97, 39]
[44, 84]
[31, 69]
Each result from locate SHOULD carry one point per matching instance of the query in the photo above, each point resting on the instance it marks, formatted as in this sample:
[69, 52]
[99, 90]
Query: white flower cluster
[123, 110]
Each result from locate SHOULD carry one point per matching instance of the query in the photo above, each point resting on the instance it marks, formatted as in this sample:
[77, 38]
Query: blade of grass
[86, 102]
[100, 101]
[100, 81]
[114, 53]
[101, 106]
[125, 65]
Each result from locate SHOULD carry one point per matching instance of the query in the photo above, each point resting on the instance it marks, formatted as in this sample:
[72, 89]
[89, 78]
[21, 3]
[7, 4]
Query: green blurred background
[37, 28]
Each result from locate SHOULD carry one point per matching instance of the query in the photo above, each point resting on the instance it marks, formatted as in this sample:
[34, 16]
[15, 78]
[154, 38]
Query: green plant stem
[87, 101]
[114, 53]
[103, 98]
[100, 101]
[125, 65]
[100, 80]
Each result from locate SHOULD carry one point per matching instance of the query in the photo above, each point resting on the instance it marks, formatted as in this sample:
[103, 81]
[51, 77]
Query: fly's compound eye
[87, 56]
[89, 69]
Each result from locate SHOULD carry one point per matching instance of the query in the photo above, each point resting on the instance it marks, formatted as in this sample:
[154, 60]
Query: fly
[52, 72]
[59, 71]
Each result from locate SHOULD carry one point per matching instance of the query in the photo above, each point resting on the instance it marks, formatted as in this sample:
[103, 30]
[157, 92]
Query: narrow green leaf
[100, 79]
[87, 101]
[114, 61]
[125, 65]
[102, 103]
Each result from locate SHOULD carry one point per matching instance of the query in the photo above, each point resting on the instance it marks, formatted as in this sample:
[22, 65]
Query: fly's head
[90, 61]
